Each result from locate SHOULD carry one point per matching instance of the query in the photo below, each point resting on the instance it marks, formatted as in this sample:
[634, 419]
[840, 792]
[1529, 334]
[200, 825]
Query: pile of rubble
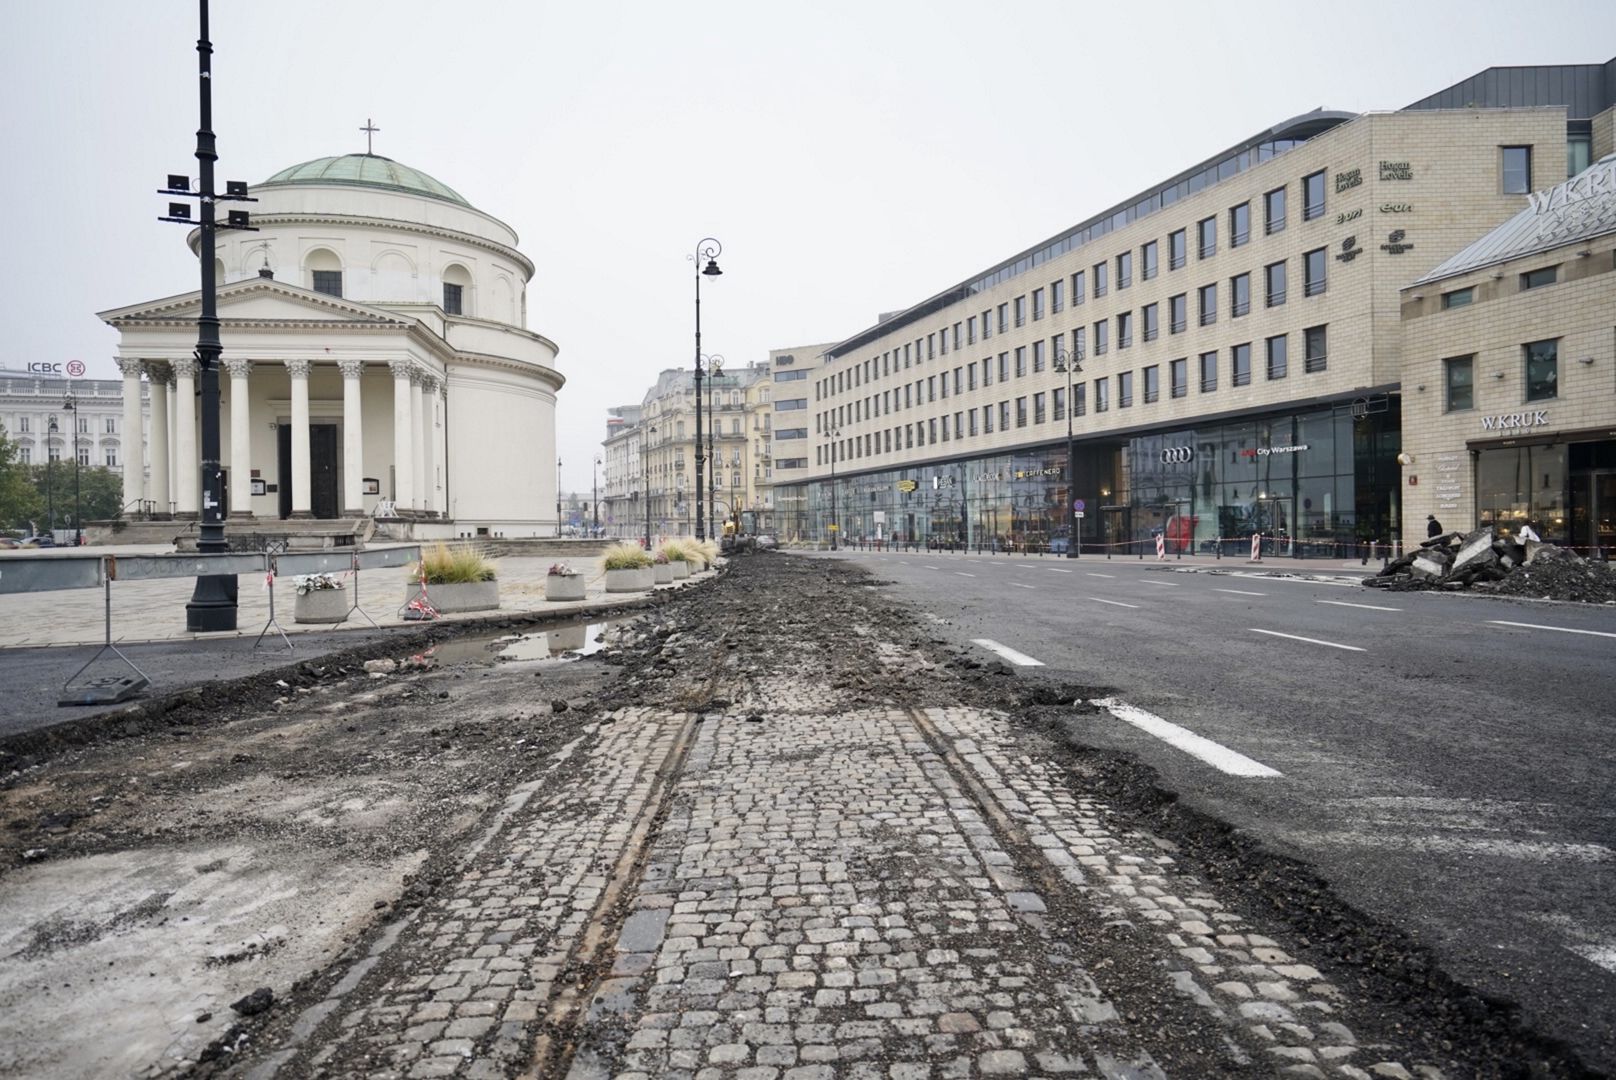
[1483, 561]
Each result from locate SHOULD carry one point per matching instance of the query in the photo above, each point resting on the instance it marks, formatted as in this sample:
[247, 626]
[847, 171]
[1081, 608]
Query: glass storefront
[1319, 482]
[1565, 491]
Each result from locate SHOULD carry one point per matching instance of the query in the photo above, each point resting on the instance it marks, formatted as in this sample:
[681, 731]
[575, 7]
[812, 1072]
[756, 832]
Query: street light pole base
[212, 607]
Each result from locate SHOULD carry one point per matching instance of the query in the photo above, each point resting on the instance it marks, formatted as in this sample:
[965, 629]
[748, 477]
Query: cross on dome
[369, 129]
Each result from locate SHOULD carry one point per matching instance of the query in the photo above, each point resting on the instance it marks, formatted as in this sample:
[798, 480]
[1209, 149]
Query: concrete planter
[664, 573]
[564, 587]
[463, 596]
[321, 606]
[630, 580]
[681, 569]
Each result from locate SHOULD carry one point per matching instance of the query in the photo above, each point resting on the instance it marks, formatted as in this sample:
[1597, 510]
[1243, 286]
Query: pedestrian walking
[1433, 527]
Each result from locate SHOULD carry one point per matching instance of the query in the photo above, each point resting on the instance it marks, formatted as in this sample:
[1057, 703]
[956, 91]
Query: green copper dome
[366, 170]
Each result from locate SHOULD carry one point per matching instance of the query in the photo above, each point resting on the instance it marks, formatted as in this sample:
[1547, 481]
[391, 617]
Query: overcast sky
[853, 157]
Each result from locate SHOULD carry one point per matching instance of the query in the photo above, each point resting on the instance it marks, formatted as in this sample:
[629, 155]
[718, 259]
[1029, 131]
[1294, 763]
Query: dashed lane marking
[1019, 658]
[1019, 585]
[1113, 603]
[962, 573]
[1217, 755]
[1240, 592]
[1560, 629]
[1163, 584]
[1058, 570]
[1309, 640]
[1366, 607]
[934, 568]
[1603, 955]
[1090, 573]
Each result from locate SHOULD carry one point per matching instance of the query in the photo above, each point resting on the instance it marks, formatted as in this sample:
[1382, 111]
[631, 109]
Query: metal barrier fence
[1229, 547]
[51, 573]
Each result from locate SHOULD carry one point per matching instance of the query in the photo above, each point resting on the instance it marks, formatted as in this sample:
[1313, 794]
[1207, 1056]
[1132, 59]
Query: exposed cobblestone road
[791, 852]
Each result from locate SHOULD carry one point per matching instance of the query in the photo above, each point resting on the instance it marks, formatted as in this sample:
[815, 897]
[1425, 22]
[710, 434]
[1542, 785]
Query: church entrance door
[323, 475]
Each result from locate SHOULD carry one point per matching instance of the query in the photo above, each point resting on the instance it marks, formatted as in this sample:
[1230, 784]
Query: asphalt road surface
[1444, 761]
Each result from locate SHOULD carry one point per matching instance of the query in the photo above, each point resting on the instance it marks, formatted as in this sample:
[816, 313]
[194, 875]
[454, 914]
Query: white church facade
[376, 363]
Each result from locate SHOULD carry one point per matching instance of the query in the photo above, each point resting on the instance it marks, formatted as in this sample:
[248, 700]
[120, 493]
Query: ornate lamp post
[50, 478]
[707, 251]
[835, 435]
[715, 368]
[1069, 365]
[71, 405]
[213, 603]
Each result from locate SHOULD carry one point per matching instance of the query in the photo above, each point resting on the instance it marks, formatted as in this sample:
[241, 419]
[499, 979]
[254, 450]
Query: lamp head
[711, 269]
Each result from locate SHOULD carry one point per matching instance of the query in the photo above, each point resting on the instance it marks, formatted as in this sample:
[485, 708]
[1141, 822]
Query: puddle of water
[565, 642]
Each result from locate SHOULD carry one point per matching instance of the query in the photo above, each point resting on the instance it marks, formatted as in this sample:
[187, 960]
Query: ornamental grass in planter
[679, 555]
[458, 578]
[662, 566]
[708, 552]
[321, 598]
[628, 569]
[563, 583]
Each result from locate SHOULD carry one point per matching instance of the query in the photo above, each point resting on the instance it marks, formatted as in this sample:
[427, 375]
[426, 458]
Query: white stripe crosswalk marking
[1019, 658]
[1309, 640]
[1217, 755]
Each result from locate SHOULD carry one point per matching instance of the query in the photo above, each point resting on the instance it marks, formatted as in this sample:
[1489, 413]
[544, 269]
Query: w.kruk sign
[1581, 206]
[1515, 421]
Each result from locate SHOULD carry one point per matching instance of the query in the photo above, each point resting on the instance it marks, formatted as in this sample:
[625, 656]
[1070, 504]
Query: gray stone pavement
[801, 888]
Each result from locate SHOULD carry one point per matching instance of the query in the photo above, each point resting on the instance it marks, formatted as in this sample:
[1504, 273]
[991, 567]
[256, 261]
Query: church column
[240, 439]
[418, 436]
[353, 440]
[403, 449]
[134, 450]
[158, 379]
[429, 433]
[188, 465]
[302, 503]
[170, 476]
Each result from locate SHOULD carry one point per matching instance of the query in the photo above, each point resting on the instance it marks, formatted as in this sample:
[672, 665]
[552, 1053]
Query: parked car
[9, 543]
[43, 540]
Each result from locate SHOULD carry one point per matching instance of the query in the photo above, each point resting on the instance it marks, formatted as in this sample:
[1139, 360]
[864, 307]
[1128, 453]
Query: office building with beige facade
[1226, 346]
[1509, 356]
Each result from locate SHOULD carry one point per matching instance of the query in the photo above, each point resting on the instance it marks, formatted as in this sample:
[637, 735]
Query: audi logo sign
[1178, 455]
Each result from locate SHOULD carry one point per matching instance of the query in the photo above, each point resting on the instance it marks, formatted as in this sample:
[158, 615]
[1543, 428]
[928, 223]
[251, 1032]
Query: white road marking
[1019, 658]
[1561, 629]
[1058, 570]
[1603, 955]
[1310, 641]
[1217, 755]
[1090, 573]
[1019, 585]
[962, 573]
[1113, 603]
[1163, 584]
[1366, 607]
[934, 568]
[1240, 592]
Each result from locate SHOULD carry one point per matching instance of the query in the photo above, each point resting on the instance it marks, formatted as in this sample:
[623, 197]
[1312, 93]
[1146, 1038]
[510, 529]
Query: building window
[1004, 416]
[1124, 269]
[25, 455]
[1542, 370]
[1239, 295]
[1315, 349]
[1021, 311]
[1102, 337]
[1239, 224]
[1274, 211]
[1021, 412]
[1079, 287]
[1102, 395]
[1209, 372]
[1274, 284]
[111, 459]
[1152, 322]
[1178, 375]
[1277, 356]
[1100, 286]
[1059, 395]
[1240, 365]
[1124, 329]
[1124, 389]
[1080, 399]
[1206, 237]
[945, 426]
[453, 299]
[1517, 169]
[1152, 383]
[1177, 319]
[112, 425]
[1038, 354]
[970, 330]
[1313, 279]
[1039, 414]
[1313, 195]
[1037, 304]
[1004, 318]
[328, 282]
[23, 425]
[1209, 304]
[973, 421]
[1057, 296]
[987, 324]
[1175, 250]
[1004, 366]
[1079, 349]
[1458, 298]
[1147, 261]
[1021, 361]
[1459, 376]
[1535, 279]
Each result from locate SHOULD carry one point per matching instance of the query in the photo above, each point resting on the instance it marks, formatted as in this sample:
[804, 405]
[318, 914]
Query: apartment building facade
[1229, 345]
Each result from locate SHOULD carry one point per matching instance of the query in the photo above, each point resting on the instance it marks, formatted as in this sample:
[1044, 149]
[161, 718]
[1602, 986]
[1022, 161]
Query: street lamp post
[708, 249]
[1069, 365]
[835, 434]
[213, 603]
[72, 407]
[50, 478]
[645, 482]
[558, 496]
[594, 483]
[715, 368]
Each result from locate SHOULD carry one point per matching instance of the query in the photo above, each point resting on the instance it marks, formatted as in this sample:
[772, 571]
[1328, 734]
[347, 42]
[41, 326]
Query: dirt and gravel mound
[1485, 562]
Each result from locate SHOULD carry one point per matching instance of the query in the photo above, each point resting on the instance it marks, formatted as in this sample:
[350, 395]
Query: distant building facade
[92, 430]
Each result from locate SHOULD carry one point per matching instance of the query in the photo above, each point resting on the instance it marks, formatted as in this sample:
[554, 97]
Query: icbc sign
[75, 368]
[44, 367]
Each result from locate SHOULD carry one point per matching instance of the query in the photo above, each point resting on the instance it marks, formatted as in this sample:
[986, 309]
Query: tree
[19, 500]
